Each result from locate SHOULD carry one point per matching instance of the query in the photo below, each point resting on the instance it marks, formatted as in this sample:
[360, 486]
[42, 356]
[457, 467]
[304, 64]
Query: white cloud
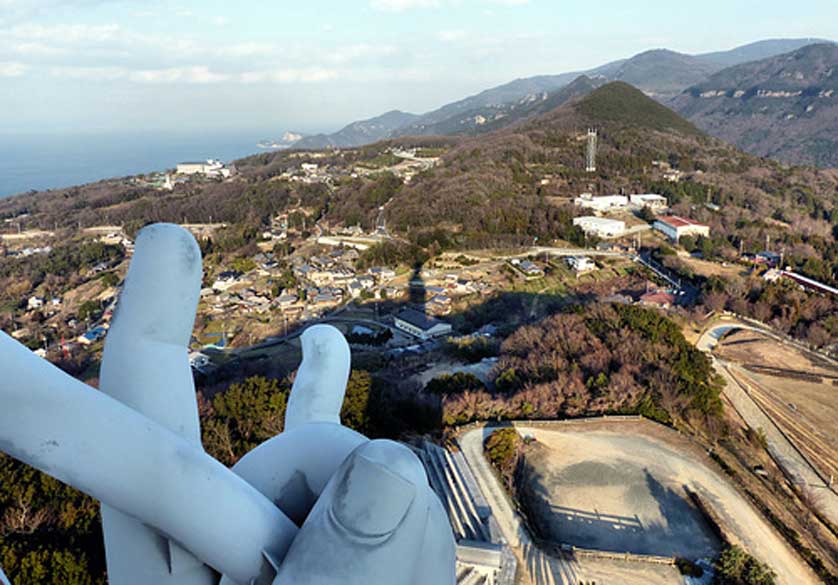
[220, 20]
[511, 2]
[197, 74]
[68, 33]
[303, 75]
[90, 73]
[200, 74]
[348, 53]
[402, 5]
[451, 36]
[12, 69]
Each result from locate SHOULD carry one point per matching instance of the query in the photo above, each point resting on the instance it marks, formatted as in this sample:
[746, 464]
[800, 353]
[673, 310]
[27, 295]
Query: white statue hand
[370, 516]
[141, 456]
[145, 365]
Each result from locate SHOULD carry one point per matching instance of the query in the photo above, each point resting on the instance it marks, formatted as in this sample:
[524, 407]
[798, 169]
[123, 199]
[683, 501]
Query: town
[615, 365]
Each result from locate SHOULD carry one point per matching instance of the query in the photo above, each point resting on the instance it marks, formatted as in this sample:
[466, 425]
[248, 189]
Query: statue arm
[109, 451]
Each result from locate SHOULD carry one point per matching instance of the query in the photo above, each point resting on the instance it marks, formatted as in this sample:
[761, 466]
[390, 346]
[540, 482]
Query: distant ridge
[784, 107]
[358, 133]
[661, 73]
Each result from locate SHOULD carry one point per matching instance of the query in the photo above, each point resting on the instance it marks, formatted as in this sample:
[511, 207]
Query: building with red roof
[674, 227]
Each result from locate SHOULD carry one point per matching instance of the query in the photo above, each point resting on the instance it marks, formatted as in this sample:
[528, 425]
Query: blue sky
[272, 65]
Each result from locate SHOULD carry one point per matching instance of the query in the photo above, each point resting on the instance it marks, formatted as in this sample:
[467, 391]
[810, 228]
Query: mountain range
[783, 107]
[660, 73]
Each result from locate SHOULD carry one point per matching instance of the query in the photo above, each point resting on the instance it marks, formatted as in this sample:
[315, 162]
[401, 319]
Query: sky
[274, 65]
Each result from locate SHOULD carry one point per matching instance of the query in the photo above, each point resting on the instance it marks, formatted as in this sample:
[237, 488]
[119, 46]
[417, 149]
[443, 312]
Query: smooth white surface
[109, 451]
[293, 468]
[317, 394]
[370, 524]
[168, 507]
[145, 365]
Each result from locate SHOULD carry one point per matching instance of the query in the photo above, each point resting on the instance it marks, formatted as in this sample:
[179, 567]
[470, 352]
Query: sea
[49, 161]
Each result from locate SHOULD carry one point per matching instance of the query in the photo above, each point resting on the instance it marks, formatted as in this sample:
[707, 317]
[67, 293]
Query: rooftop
[677, 221]
[658, 298]
[417, 319]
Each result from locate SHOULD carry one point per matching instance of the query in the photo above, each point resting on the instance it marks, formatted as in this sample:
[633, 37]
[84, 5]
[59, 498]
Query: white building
[421, 325]
[650, 200]
[530, 268]
[199, 361]
[581, 263]
[35, 303]
[226, 279]
[675, 227]
[600, 226]
[602, 203]
[381, 273]
[210, 168]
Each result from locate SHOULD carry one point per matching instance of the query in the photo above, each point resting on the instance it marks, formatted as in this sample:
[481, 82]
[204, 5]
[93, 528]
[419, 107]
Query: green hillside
[620, 103]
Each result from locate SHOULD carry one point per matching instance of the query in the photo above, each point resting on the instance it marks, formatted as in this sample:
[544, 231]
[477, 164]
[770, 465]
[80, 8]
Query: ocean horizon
[38, 162]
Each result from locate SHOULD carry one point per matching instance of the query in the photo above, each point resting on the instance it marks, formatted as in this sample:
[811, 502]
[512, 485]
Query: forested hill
[491, 186]
[501, 188]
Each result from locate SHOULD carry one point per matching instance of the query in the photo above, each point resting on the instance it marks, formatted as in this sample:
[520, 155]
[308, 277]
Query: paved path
[780, 448]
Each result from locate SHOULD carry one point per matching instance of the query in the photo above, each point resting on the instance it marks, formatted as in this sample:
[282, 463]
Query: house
[35, 303]
[464, 286]
[287, 300]
[600, 226]
[531, 269]
[439, 305]
[601, 203]
[421, 325]
[581, 263]
[675, 227]
[92, 336]
[199, 361]
[354, 288]
[658, 299]
[772, 275]
[768, 258]
[650, 200]
[382, 274]
[226, 279]
[324, 299]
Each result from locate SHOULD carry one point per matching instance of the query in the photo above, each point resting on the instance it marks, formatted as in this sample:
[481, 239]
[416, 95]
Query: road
[779, 446]
[552, 251]
[744, 521]
[731, 322]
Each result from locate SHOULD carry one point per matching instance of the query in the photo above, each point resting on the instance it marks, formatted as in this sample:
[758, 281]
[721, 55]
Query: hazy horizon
[71, 66]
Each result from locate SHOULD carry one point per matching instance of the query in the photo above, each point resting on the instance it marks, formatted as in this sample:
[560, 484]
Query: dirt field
[584, 466]
[752, 347]
[614, 504]
[805, 409]
[705, 268]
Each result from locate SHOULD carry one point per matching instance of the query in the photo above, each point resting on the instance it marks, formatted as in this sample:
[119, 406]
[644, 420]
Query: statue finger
[145, 365]
[318, 390]
[371, 519]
